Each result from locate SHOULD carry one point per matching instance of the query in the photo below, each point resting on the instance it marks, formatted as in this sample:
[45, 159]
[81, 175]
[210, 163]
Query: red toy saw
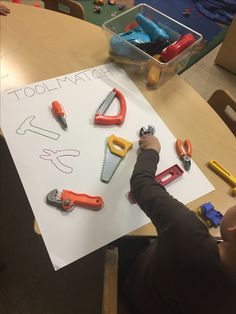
[101, 118]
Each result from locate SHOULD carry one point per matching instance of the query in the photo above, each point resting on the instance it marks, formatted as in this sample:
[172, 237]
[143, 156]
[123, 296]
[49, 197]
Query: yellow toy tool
[224, 173]
[116, 150]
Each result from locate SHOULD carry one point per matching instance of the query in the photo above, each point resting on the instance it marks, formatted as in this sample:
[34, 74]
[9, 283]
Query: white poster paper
[48, 157]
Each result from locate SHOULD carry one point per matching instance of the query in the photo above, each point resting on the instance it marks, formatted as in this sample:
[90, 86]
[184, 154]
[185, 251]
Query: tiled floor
[206, 77]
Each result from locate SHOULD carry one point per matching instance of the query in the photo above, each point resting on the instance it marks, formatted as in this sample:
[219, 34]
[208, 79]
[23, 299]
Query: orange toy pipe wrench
[67, 200]
[101, 118]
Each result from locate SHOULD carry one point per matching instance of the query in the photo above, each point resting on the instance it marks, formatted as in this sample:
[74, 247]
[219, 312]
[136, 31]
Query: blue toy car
[211, 216]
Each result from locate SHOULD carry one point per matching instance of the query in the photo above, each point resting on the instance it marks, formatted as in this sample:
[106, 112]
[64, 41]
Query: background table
[38, 44]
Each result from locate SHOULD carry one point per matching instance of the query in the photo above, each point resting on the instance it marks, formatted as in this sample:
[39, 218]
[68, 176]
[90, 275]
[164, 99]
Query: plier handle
[186, 155]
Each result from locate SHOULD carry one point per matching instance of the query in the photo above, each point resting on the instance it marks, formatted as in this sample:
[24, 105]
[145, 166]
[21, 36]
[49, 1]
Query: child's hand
[149, 141]
[4, 10]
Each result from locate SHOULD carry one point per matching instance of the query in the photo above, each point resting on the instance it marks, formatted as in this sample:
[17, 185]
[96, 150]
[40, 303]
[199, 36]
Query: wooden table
[37, 44]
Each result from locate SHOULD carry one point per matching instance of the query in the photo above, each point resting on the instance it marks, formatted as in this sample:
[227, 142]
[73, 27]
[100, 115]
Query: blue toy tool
[151, 28]
[210, 215]
[147, 32]
[136, 36]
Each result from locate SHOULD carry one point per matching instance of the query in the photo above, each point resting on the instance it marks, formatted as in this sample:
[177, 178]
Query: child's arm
[4, 10]
[154, 200]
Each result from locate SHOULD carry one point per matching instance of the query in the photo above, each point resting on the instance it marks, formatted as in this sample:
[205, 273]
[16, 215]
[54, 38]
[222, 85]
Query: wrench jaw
[186, 162]
[147, 130]
[54, 199]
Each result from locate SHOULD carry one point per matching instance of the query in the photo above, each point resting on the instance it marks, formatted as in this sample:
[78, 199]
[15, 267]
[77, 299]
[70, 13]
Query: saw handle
[124, 145]
[70, 199]
[111, 120]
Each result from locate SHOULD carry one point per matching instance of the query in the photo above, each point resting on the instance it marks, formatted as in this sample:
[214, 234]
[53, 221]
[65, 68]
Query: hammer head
[25, 125]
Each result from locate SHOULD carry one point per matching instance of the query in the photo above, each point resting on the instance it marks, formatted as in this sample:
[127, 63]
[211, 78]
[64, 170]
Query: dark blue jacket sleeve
[153, 199]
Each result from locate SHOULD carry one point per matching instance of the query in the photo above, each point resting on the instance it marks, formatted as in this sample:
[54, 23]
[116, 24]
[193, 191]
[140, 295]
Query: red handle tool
[164, 178]
[184, 156]
[177, 47]
[101, 118]
[70, 199]
[67, 200]
[59, 113]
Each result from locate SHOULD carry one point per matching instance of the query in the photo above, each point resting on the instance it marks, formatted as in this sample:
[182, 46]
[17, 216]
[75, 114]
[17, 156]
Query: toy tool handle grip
[57, 108]
[188, 147]
[177, 47]
[119, 146]
[151, 28]
[88, 201]
[121, 116]
[179, 148]
[70, 199]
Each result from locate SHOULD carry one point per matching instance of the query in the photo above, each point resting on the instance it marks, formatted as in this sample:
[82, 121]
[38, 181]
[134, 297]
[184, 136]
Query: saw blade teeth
[104, 176]
[106, 103]
[110, 164]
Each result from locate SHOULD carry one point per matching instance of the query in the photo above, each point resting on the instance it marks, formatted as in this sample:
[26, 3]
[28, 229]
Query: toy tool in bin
[143, 35]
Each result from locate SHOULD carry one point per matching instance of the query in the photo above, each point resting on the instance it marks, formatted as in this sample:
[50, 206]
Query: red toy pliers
[184, 156]
[101, 118]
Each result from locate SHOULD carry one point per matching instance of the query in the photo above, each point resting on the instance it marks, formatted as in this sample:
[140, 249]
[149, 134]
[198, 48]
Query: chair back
[68, 7]
[225, 106]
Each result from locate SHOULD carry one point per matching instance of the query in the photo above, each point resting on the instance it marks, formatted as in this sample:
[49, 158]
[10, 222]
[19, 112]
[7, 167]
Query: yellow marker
[224, 173]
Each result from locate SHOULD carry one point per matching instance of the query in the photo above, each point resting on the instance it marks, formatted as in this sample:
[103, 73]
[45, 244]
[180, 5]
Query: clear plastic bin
[139, 64]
